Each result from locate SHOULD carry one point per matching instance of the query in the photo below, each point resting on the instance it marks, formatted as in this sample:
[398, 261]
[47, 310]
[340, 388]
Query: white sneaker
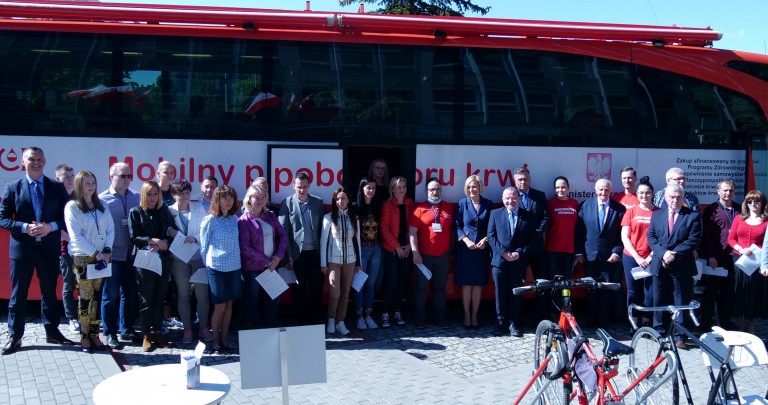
[74, 326]
[369, 322]
[384, 320]
[361, 324]
[331, 328]
[342, 329]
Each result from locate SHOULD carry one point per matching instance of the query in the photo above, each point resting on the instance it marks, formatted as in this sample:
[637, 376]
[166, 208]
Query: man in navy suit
[598, 237]
[535, 202]
[674, 234]
[511, 231]
[32, 210]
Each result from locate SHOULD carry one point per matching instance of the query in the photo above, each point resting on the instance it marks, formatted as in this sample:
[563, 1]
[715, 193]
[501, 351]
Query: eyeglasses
[679, 179]
[753, 202]
[125, 176]
[434, 190]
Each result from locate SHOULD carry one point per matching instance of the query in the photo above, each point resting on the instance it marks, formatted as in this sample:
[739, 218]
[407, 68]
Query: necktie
[39, 196]
[512, 219]
[524, 200]
[601, 216]
[671, 221]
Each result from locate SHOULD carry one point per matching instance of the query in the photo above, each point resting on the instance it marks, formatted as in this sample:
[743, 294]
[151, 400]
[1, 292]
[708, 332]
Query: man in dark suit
[301, 215]
[674, 234]
[32, 210]
[511, 232]
[535, 202]
[598, 237]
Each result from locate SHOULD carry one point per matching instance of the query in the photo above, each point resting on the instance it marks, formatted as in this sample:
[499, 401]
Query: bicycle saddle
[611, 346]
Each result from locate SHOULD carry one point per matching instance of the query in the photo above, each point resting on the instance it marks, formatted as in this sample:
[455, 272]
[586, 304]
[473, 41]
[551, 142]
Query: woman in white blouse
[91, 233]
[340, 257]
[188, 215]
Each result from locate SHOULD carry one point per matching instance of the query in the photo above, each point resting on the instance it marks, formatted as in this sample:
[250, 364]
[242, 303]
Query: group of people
[67, 226]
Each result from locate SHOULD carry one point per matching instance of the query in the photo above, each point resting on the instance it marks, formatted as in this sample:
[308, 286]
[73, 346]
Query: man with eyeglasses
[430, 234]
[676, 175]
[119, 199]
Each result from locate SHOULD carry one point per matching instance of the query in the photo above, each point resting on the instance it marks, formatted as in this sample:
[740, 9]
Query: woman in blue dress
[473, 257]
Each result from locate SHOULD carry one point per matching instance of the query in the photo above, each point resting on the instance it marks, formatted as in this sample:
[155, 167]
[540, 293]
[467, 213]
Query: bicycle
[567, 368]
[734, 354]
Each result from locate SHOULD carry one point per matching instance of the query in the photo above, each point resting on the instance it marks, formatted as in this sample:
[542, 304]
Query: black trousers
[152, 290]
[307, 269]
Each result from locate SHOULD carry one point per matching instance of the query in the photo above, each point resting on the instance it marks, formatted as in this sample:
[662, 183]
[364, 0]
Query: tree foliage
[422, 7]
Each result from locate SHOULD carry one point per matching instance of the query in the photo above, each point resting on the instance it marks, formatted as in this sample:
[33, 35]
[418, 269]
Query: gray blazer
[291, 219]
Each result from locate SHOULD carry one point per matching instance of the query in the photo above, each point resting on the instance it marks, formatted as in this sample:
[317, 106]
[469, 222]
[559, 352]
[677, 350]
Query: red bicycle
[567, 367]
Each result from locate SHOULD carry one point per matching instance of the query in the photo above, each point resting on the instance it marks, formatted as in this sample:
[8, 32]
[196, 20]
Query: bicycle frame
[606, 367]
[717, 389]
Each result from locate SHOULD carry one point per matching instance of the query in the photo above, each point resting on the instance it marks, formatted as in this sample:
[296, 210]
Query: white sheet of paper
[639, 272]
[272, 283]
[717, 271]
[200, 276]
[149, 260]
[91, 273]
[288, 276]
[358, 281]
[425, 271]
[747, 264]
[183, 251]
[700, 265]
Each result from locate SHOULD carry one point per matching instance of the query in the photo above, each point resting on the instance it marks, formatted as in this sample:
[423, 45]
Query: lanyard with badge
[436, 227]
[100, 239]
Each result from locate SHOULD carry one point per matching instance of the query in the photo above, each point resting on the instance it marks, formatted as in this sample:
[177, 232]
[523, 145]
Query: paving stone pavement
[399, 365]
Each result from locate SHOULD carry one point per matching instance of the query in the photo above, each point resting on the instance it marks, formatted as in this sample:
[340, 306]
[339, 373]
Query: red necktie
[671, 221]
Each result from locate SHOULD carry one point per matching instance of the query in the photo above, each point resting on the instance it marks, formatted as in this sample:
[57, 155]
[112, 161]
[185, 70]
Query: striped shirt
[219, 243]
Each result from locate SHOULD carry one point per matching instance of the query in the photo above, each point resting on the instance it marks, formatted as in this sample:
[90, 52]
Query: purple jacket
[252, 240]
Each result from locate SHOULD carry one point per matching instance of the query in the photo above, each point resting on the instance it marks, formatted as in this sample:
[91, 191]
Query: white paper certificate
[91, 273]
[358, 281]
[272, 283]
[288, 276]
[183, 251]
[200, 276]
[639, 273]
[149, 260]
[425, 271]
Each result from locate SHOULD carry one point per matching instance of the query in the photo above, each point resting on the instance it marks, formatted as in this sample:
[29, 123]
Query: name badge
[436, 227]
[125, 221]
[99, 240]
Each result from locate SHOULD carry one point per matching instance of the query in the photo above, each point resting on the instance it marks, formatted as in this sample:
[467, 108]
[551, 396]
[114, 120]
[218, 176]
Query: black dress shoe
[12, 345]
[113, 342]
[58, 339]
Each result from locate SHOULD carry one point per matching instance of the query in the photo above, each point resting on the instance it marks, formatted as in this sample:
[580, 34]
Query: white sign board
[260, 356]
[495, 165]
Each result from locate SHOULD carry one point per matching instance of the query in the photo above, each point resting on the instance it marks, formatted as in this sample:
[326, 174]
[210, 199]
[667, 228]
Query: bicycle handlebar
[544, 284]
[673, 309]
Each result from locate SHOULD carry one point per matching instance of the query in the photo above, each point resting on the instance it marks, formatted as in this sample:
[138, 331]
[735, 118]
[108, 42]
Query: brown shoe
[681, 345]
[147, 345]
[160, 340]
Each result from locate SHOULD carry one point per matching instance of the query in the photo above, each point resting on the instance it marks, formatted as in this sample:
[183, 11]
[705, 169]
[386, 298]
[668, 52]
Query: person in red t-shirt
[430, 237]
[628, 197]
[563, 213]
[637, 253]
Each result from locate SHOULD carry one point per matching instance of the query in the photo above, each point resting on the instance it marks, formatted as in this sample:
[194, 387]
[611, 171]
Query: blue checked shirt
[219, 243]
[119, 206]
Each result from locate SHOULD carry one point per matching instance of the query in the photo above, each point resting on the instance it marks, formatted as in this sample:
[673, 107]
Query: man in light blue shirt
[119, 199]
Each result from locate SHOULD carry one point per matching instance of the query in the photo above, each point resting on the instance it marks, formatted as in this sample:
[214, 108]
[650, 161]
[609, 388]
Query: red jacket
[390, 222]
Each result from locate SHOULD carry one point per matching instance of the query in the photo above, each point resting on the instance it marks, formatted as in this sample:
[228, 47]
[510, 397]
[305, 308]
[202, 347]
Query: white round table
[162, 384]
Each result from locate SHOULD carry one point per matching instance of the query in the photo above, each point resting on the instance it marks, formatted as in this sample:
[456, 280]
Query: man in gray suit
[301, 215]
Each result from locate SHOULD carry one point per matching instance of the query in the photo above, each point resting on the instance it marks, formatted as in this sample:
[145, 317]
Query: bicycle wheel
[647, 350]
[751, 382]
[545, 345]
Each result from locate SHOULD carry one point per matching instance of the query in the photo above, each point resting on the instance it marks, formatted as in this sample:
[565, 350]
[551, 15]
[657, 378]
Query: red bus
[240, 93]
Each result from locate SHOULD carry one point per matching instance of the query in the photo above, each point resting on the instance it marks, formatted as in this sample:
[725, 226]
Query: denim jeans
[119, 307]
[371, 260]
[68, 288]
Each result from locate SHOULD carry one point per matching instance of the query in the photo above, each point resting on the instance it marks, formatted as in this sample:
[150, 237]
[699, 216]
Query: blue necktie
[524, 200]
[39, 196]
[511, 224]
[601, 216]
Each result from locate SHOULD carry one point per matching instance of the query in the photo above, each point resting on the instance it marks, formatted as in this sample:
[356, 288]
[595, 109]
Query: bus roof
[245, 23]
